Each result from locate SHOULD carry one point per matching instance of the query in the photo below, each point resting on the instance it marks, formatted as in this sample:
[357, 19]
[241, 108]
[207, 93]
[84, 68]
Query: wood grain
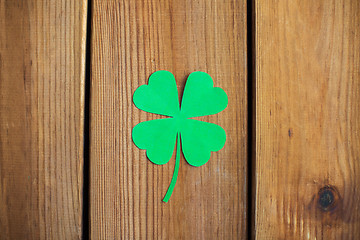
[42, 56]
[307, 119]
[131, 40]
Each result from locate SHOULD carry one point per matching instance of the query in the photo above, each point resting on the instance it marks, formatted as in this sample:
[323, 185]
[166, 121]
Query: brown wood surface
[130, 40]
[307, 119]
[42, 47]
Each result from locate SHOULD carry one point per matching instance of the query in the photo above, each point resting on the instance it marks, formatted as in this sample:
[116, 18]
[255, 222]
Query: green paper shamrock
[198, 138]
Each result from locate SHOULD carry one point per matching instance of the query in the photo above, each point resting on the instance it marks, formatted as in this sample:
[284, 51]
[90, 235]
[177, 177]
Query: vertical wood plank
[131, 40]
[307, 119]
[42, 57]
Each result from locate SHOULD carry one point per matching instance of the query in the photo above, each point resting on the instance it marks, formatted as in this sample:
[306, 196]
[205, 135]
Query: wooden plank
[131, 40]
[42, 56]
[307, 119]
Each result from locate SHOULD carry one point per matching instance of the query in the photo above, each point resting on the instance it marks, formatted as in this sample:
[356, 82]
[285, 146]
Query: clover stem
[176, 171]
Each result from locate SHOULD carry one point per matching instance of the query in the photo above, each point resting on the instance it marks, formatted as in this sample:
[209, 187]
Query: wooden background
[307, 151]
[42, 60]
[130, 40]
[291, 70]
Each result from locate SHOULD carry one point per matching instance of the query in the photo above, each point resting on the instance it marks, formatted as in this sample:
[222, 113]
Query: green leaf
[157, 137]
[160, 96]
[201, 98]
[199, 139]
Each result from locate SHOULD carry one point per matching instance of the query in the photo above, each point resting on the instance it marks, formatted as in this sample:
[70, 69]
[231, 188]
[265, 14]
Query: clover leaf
[198, 138]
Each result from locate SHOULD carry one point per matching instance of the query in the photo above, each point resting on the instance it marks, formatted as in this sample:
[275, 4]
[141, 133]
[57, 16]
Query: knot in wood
[328, 198]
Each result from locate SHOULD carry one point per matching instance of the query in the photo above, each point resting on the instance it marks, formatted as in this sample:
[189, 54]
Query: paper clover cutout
[198, 138]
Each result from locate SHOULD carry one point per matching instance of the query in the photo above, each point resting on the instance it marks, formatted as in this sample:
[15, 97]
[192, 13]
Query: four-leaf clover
[198, 138]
